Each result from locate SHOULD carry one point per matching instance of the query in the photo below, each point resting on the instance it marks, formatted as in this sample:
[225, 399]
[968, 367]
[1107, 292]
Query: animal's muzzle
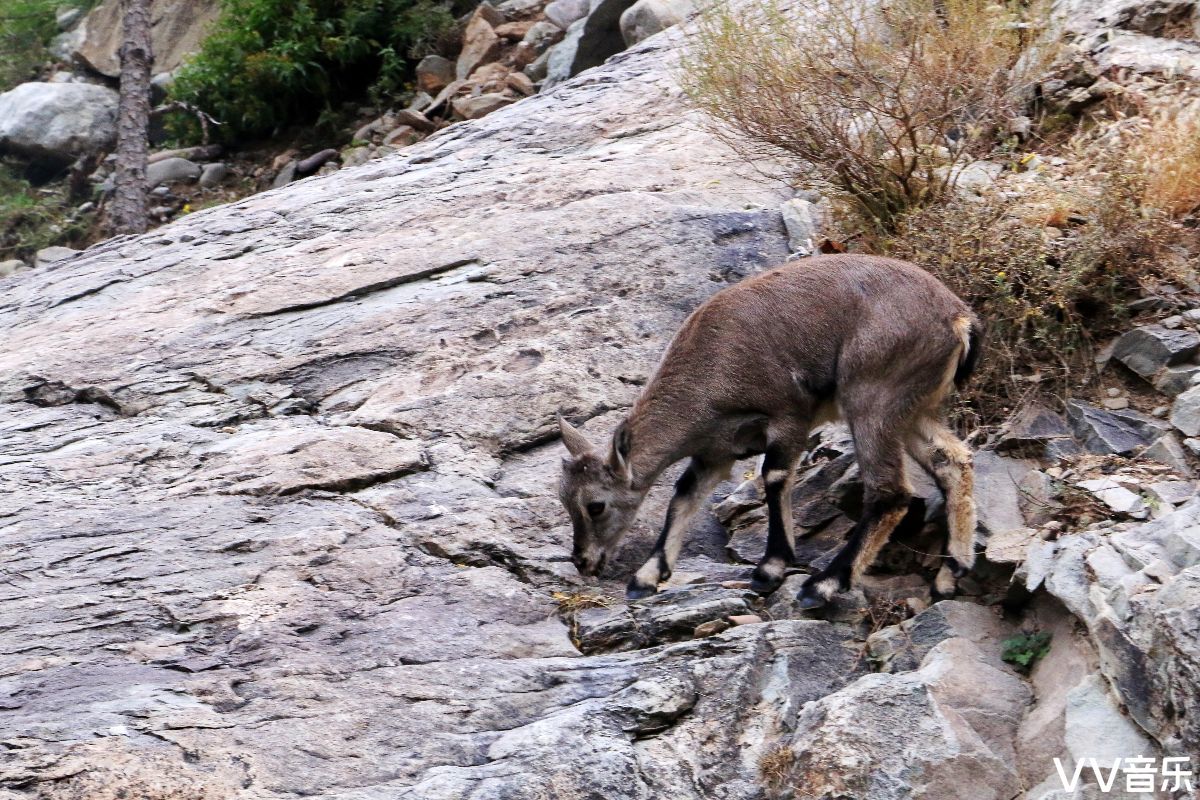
[589, 566]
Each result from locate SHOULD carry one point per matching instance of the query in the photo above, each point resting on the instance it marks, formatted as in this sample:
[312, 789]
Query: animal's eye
[595, 509]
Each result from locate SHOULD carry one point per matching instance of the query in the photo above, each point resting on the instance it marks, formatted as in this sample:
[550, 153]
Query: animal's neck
[659, 432]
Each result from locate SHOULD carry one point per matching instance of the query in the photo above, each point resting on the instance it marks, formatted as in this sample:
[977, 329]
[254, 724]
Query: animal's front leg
[779, 472]
[693, 486]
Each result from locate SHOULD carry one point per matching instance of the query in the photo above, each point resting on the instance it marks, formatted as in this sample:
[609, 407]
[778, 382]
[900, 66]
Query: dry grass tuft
[574, 602]
[1166, 150]
[880, 104]
[775, 764]
[1049, 270]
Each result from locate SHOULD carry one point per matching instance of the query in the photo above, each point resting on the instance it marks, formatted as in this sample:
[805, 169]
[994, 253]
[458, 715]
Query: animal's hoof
[807, 602]
[764, 585]
[957, 568]
[634, 592]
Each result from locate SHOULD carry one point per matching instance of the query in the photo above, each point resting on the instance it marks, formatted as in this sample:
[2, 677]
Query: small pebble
[745, 619]
[1114, 392]
[710, 628]
[735, 584]
[1116, 403]
[1172, 322]
[1160, 411]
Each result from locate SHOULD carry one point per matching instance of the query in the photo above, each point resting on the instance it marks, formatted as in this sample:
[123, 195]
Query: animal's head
[597, 490]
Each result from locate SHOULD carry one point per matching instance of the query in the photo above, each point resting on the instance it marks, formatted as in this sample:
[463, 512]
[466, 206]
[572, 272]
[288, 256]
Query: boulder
[58, 122]
[212, 174]
[1037, 432]
[1185, 412]
[177, 29]
[9, 266]
[647, 17]
[997, 491]
[668, 616]
[900, 648]
[480, 45]
[434, 73]
[589, 41]
[1137, 590]
[920, 735]
[802, 218]
[51, 255]
[1112, 432]
[564, 12]
[1167, 449]
[172, 170]
[480, 105]
[1176, 380]
[1150, 348]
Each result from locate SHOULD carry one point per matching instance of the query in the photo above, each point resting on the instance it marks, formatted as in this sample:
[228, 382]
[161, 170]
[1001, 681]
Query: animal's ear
[618, 459]
[573, 439]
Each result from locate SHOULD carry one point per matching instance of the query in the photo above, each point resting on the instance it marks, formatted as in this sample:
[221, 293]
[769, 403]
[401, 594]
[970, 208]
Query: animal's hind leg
[935, 447]
[692, 488]
[779, 476]
[885, 502]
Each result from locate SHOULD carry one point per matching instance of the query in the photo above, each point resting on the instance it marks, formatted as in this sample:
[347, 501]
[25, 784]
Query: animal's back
[804, 326]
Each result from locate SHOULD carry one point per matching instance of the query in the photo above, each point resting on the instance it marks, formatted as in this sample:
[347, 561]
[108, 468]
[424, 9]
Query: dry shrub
[880, 104]
[1049, 271]
[1166, 150]
[774, 765]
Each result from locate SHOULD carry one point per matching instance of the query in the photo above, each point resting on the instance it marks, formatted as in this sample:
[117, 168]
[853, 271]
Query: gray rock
[1185, 412]
[1116, 497]
[668, 616]
[1167, 449]
[900, 648]
[172, 170]
[212, 174]
[1105, 432]
[57, 122]
[288, 173]
[589, 41]
[541, 36]
[1037, 432]
[564, 12]
[481, 105]
[177, 29]
[289, 534]
[10, 266]
[51, 255]
[480, 46]
[1150, 348]
[1172, 493]
[647, 17]
[67, 17]
[1176, 380]
[997, 492]
[913, 734]
[803, 221]
[434, 73]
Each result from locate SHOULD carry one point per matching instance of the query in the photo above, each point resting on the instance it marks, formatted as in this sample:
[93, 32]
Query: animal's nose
[587, 567]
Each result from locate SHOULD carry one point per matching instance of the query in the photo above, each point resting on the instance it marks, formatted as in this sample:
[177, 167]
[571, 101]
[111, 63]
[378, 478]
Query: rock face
[177, 27]
[57, 122]
[286, 466]
[279, 515]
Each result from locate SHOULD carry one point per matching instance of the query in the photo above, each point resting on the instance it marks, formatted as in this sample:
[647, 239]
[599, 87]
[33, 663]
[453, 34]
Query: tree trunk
[128, 210]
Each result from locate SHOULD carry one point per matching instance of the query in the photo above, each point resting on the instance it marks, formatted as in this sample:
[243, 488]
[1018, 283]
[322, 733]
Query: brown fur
[754, 367]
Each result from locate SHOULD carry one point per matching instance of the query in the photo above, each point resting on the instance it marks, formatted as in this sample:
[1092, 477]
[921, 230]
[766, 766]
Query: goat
[875, 341]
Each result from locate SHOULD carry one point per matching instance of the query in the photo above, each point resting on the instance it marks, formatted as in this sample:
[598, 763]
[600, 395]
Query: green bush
[270, 63]
[31, 218]
[26, 27]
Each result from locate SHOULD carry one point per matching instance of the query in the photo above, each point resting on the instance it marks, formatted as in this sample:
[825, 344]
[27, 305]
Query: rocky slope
[279, 517]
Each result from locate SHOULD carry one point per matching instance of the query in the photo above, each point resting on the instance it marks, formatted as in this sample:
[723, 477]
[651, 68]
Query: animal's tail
[968, 329]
